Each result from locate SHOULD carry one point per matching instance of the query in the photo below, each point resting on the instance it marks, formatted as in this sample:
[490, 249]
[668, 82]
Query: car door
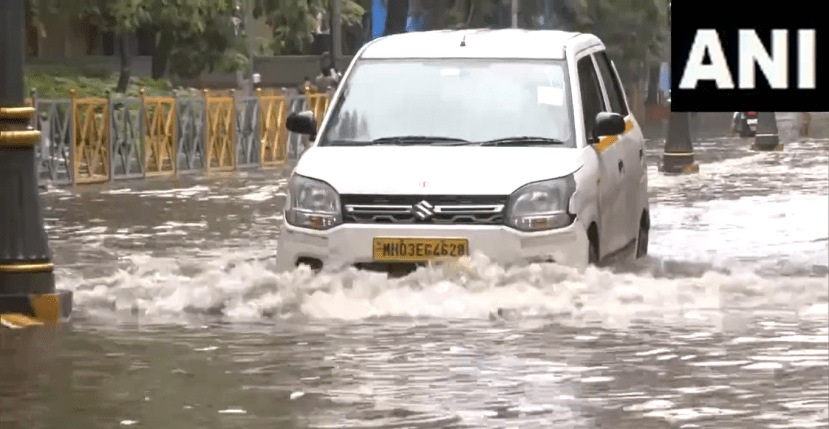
[631, 146]
[608, 155]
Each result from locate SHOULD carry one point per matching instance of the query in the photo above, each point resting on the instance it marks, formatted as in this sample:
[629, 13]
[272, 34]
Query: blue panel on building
[378, 19]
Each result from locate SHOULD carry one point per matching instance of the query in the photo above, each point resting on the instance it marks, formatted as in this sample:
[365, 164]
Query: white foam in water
[248, 291]
[734, 236]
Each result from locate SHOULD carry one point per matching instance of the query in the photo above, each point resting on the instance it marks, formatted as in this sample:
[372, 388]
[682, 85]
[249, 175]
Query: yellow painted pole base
[23, 311]
[690, 169]
[678, 163]
[17, 321]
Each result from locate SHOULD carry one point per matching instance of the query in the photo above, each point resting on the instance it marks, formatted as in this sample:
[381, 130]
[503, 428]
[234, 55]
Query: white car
[516, 144]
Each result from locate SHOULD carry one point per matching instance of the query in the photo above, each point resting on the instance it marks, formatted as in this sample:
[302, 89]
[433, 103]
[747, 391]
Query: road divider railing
[87, 140]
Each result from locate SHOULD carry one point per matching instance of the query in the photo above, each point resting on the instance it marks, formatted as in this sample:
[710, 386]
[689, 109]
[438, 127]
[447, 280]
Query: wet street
[181, 321]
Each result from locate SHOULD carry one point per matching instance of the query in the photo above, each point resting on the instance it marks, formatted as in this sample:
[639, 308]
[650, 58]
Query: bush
[56, 82]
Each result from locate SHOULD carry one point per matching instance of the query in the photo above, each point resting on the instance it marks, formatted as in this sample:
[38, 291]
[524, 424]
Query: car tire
[593, 252]
[642, 239]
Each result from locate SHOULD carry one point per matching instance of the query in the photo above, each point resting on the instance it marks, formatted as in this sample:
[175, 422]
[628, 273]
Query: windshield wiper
[420, 140]
[522, 141]
[405, 141]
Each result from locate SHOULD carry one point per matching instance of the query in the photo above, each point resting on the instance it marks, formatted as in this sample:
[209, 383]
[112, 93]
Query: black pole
[27, 282]
[678, 154]
[767, 136]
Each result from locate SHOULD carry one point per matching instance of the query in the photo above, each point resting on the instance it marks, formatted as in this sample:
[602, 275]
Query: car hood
[424, 170]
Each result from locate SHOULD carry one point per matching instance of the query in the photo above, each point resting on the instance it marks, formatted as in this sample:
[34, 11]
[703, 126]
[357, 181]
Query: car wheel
[593, 252]
[642, 241]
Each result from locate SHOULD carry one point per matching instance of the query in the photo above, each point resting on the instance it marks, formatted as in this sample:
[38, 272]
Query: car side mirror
[302, 123]
[608, 124]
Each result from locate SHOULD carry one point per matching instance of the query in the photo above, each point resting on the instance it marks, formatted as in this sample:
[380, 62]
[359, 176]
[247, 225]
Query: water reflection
[182, 321]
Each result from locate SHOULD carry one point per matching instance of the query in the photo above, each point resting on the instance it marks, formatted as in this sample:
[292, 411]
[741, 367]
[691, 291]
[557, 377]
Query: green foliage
[197, 35]
[635, 31]
[293, 21]
[120, 16]
[56, 82]
[208, 35]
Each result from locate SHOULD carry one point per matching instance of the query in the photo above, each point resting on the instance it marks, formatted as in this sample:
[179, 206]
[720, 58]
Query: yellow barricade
[90, 134]
[318, 103]
[159, 135]
[220, 135]
[273, 143]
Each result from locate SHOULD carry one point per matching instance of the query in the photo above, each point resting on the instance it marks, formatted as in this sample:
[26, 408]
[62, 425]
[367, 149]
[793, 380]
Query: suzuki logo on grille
[423, 210]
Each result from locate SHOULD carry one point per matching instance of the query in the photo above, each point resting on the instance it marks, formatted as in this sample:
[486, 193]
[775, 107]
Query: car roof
[483, 43]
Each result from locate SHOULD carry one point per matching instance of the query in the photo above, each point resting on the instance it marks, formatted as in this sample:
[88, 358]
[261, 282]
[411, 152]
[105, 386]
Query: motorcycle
[744, 124]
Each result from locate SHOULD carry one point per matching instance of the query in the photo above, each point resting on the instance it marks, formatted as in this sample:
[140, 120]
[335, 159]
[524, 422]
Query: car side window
[611, 83]
[592, 102]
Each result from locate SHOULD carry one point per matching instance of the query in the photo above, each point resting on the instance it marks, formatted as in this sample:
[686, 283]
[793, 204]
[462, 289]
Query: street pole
[336, 32]
[27, 283]
[678, 153]
[514, 13]
[766, 135]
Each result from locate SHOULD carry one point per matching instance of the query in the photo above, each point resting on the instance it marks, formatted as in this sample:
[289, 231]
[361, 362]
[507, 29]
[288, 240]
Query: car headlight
[542, 206]
[312, 204]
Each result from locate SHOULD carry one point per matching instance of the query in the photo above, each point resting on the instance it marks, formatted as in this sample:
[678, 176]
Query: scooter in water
[744, 124]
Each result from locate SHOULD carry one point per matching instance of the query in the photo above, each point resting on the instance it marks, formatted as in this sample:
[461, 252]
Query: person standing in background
[329, 77]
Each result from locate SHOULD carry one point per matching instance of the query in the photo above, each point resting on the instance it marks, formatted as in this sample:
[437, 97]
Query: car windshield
[453, 102]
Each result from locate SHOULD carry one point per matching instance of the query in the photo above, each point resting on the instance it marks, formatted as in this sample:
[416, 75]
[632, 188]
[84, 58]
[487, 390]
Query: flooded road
[181, 321]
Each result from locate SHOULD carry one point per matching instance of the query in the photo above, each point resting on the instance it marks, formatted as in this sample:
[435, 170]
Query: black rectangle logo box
[727, 18]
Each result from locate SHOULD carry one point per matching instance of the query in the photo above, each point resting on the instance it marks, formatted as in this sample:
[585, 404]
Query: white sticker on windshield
[550, 96]
[450, 72]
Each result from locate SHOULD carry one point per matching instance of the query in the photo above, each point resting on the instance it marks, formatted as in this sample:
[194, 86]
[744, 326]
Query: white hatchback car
[516, 144]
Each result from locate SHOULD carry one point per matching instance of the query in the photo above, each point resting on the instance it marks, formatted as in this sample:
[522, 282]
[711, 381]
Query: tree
[122, 17]
[195, 35]
[34, 11]
[634, 31]
[293, 21]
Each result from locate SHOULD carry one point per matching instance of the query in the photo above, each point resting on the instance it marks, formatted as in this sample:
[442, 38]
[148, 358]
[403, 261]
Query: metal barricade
[220, 133]
[273, 136]
[54, 156]
[191, 132]
[159, 126]
[90, 139]
[247, 132]
[318, 103]
[126, 138]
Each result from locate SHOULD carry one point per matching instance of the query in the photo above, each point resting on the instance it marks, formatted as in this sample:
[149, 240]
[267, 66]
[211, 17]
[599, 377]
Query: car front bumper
[351, 244]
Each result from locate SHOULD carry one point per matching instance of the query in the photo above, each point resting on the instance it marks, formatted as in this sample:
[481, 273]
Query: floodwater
[181, 321]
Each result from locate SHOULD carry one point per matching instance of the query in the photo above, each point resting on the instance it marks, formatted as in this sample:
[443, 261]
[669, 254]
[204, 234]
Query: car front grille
[424, 209]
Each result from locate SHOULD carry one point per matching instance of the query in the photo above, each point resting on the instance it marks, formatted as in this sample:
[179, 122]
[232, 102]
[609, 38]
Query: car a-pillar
[27, 283]
[767, 136]
[678, 153]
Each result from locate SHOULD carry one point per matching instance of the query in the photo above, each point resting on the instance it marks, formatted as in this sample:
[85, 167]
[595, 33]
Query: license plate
[752, 121]
[390, 249]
